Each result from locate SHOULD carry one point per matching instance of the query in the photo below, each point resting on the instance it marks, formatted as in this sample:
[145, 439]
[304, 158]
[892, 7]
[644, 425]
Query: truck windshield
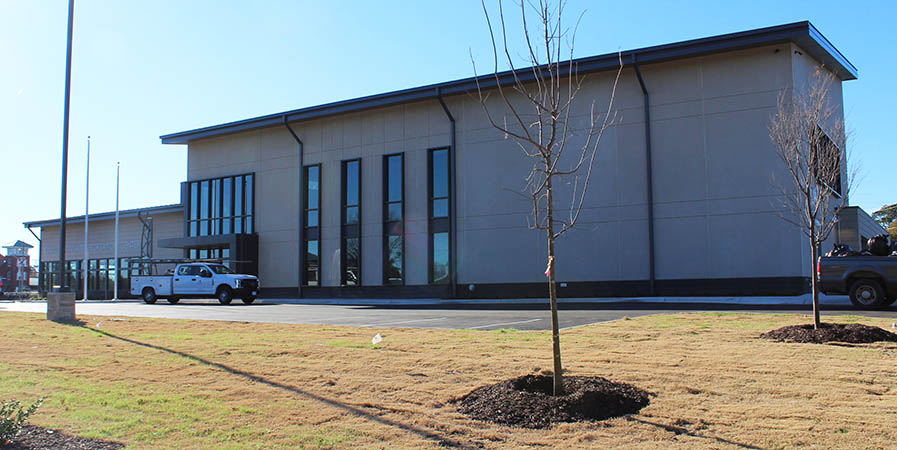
[220, 269]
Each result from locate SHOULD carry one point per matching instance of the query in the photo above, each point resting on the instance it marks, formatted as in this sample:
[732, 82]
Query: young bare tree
[537, 110]
[810, 139]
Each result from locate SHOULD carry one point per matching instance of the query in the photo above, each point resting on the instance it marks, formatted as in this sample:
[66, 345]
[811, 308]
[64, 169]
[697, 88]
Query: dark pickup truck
[870, 281]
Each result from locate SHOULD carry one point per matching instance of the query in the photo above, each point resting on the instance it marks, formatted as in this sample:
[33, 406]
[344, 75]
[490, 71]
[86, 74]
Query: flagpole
[85, 267]
[117, 262]
[65, 156]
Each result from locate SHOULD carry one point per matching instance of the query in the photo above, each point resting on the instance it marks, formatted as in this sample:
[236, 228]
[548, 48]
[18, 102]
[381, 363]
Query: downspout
[650, 177]
[286, 123]
[453, 244]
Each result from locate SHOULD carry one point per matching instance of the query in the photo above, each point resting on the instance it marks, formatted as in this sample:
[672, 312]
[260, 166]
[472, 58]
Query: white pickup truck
[196, 280]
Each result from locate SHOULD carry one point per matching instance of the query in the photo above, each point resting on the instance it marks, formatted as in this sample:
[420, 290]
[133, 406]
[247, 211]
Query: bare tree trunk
[553, 298]
[815, 286]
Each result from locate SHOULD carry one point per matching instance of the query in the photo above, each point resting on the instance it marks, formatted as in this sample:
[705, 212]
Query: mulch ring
[33, 437]
[852, 333]
[527, 401]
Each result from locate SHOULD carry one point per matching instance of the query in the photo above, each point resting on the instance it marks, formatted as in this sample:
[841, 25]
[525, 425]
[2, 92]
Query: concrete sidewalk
[798, 300]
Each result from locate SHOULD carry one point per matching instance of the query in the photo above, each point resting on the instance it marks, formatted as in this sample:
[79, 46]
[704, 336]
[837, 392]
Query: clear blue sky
[143, 69]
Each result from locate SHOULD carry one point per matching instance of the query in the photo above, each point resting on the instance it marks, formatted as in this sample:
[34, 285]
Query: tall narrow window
[204, 208]
[238, 204]
[440, 258]
[351, 223]
[393, 222]
[311, 224]
[194, 209]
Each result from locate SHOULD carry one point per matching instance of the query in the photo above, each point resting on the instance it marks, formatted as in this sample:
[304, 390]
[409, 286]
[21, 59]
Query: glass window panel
[249, 197]
[440, 173]
[352, 215]
[238, 196]
[204, 202]
[394, 212]
[394, 175]
[311, 219]
[352, 183]
[247, 224]
[440, 258]
[204, 254]
[203, 227]
[352, 273]
[194, 201]
[313, 179]
[225, 253]
[440, 207]
[311, 263]
[226, 200]
[238, 225]
[394, 251]
[216, 206]
[216, 198]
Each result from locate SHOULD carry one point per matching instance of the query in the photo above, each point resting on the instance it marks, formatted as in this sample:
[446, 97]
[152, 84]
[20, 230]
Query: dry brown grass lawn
[200, 384]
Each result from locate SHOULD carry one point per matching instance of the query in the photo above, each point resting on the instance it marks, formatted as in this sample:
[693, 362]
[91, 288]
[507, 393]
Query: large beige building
[413, 194]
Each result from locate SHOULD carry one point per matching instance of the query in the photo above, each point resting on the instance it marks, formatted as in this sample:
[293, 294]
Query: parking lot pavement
[485, 317]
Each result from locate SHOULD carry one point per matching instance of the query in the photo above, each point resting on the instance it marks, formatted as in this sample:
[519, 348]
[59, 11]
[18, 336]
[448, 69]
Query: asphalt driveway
[484, 316]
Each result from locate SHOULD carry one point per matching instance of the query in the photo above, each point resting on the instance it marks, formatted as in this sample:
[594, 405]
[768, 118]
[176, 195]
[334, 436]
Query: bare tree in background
[809, 137]
[537, 111]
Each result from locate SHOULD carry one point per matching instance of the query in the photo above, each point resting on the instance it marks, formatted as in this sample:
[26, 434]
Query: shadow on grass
[686, 431]
[426, 434]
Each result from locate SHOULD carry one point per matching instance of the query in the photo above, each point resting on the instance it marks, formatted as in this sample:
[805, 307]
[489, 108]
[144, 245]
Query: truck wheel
[173, 300]
[867, 294]
[225, 295]
[149, 296]
[248, 300]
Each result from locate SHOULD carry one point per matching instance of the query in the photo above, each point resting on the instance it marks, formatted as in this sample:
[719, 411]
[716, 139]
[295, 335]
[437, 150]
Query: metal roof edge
[803, 33]
[162, 209]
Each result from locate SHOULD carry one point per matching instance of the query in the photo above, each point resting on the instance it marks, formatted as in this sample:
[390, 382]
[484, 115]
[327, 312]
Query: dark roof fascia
[803, 34]
[164, 209]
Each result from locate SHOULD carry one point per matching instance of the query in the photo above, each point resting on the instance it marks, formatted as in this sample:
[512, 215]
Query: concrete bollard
[61, 306]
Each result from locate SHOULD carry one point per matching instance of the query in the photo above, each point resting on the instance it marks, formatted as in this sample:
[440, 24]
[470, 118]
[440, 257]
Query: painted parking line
[503, 324]
[400, 323]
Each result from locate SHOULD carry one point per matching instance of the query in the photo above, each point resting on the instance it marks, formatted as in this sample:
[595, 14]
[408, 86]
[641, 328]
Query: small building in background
[15, 267]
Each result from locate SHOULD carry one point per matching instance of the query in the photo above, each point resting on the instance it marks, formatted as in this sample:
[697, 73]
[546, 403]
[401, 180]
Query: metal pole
[86, 217]
[65, 149]
[117, 269]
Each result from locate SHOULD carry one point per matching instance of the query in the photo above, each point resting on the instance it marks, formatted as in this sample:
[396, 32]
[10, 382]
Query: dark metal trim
[649, 175]
[801, 33]
[692, 287]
